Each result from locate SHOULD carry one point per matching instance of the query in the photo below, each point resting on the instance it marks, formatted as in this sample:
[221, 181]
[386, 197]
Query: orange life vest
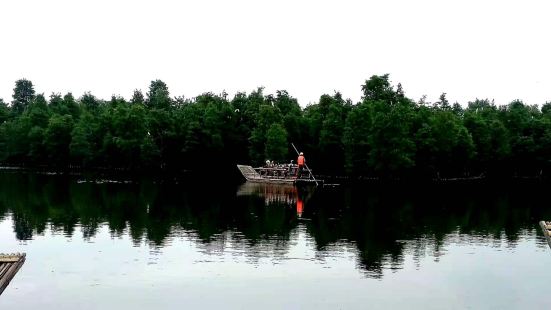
[300, 160]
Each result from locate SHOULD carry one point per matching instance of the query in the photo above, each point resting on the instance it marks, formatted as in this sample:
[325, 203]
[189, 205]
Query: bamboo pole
[3, 268]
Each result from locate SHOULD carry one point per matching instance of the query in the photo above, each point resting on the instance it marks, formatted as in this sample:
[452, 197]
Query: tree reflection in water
[380, 224]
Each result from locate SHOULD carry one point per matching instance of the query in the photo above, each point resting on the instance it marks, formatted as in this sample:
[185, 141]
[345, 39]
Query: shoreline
[228, 175]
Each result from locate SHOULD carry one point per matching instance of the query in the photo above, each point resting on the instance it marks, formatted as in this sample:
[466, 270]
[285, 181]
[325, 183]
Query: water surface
[158, 245]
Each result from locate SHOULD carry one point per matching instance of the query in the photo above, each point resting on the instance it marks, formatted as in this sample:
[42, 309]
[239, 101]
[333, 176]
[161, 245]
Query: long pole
[306, 165]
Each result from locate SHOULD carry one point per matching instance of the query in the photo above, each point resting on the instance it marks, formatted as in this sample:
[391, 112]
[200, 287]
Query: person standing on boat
[301, 161]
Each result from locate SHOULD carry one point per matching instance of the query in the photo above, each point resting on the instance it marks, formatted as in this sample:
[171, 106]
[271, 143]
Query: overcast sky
[469, 49]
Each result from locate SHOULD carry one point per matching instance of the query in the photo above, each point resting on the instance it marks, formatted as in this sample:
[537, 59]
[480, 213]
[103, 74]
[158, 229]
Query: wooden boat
[546, 229]
[278, 174]
[9, 266]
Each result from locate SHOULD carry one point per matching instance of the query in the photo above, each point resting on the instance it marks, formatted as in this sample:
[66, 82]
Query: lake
[99, 244]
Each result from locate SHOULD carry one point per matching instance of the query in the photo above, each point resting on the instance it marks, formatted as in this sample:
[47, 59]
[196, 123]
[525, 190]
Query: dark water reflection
[382, 223]
[381, 226]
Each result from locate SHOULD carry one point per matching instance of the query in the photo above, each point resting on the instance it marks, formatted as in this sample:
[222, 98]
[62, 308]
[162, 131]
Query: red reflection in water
[300, 206]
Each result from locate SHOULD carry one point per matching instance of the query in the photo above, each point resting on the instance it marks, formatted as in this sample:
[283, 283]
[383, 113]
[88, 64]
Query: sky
[469, 49]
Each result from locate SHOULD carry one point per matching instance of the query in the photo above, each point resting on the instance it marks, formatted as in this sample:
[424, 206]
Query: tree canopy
[386, 134]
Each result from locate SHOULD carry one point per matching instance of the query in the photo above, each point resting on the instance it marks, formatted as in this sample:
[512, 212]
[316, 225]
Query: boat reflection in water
[286, 194]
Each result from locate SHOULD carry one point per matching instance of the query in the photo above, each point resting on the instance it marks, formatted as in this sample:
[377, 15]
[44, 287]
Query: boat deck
[9, 266]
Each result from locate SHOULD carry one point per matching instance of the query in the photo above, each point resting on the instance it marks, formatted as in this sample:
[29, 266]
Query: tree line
[385, 134]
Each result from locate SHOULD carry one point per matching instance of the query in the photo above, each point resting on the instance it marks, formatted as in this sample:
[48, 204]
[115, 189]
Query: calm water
[157, 246]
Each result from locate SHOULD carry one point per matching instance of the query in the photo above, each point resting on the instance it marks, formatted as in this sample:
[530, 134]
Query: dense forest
[385, 135]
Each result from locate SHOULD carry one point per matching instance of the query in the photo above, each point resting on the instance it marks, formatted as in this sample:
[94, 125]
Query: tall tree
[333, 112]
[378, 87]
[23, 94]
[158, 95]
[89, 102]
[71, 105]
[137, 97]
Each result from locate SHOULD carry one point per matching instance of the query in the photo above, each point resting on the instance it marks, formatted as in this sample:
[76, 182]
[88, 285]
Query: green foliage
[15, 139]
[448, 143]
[149, 153]
[70, 106]
[89, 102]
[489, 135]
[379, 134]
[37, 151]
[81, 148]
[158, 95]
[57, 139]
[23, 94]
[379, 88]
[326, 123]
[385, 135]
[390, 138]
[38, 112]
[356, 140]
[267, 114]
[4, 111]
[137, 97]
[276, 143]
